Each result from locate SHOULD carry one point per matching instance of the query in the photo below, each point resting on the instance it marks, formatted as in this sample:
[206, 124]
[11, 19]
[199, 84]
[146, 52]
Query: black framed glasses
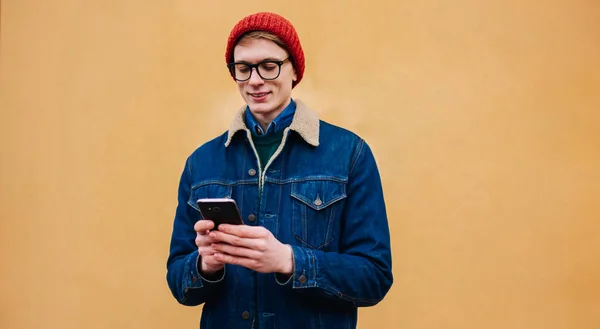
[267, 69]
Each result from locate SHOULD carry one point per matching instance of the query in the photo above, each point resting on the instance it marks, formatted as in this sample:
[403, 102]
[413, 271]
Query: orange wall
[483, 116]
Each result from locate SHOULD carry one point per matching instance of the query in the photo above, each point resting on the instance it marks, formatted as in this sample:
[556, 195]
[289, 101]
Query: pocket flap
[318, 194]
[208, 190]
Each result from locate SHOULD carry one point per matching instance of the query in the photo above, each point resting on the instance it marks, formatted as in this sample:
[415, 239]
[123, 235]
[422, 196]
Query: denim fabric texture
[321, 193]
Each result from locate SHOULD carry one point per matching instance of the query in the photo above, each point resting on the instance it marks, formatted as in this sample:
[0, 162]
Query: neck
[265, 119]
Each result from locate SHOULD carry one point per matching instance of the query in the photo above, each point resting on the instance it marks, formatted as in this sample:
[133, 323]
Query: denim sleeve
[185, 283]
[361, 272]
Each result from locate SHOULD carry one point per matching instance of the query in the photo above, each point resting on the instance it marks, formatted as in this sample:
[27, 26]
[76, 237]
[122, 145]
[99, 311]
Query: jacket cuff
[216, 278]
[192, 278]
[282, 279]
[305, 268]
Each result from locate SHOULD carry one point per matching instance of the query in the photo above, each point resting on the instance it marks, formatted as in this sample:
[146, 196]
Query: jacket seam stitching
[358, 153]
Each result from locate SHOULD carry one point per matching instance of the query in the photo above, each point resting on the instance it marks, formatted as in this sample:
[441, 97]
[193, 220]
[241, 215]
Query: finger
[244, 231]
[236, 251]
[211, 261]
[203, 226]
[245, 262]
[255, 244]
[203, 240]
[206, 251]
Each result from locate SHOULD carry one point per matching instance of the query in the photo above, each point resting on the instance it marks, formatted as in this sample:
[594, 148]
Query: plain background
[483, 116]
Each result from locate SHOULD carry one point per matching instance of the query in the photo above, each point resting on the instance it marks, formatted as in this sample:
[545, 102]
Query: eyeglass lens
[266, 70]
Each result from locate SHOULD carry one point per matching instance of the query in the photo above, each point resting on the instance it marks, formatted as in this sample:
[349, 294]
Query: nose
[255, 78]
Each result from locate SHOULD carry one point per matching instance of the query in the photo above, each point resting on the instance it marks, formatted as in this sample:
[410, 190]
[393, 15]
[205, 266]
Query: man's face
[266, 98]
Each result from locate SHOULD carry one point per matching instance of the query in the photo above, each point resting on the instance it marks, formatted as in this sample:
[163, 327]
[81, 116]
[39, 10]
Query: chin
[261, 108]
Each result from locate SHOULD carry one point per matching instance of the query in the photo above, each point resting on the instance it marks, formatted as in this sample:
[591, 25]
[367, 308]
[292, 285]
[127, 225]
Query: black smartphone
[220, 211]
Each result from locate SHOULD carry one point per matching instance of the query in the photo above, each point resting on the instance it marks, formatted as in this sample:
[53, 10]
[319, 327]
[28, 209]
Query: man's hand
[252, 247]
[209, 264]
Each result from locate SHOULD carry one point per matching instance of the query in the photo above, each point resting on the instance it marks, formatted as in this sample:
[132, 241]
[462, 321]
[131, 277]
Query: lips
[258, 95]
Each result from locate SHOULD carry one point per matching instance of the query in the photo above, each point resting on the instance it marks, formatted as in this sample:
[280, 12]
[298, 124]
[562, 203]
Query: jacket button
[245, 315]
[251, 172]
[302, 279]
[318, 202]
[251, 218]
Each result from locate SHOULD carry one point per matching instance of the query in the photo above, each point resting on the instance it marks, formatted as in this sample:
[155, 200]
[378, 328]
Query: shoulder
[332, 133]
[336, 130]
[343, 140]
[212, 147]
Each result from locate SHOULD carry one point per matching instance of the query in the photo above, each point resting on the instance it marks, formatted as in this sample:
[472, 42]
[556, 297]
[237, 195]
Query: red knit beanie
[275, 24]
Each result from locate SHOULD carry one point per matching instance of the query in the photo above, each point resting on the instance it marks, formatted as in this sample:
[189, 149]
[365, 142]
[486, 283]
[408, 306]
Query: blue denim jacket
[321, 194]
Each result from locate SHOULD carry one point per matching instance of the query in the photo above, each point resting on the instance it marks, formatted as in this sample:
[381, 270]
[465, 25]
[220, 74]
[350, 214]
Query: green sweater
[267, 145]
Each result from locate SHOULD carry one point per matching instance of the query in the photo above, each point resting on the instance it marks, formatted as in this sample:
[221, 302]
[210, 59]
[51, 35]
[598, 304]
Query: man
[315, 242]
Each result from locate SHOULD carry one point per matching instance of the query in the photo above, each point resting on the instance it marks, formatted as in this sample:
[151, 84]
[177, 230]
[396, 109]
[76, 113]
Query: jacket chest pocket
[317, 206]
[208, 190]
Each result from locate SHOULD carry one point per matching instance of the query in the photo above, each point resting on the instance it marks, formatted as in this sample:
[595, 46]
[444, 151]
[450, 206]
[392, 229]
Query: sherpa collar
[305, 123]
